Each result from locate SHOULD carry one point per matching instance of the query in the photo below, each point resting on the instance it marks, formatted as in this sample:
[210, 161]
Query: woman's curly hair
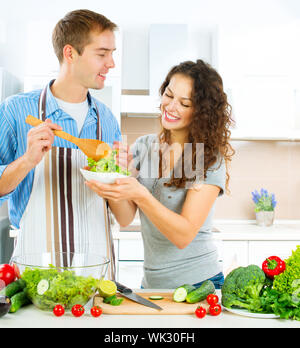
[212, 117]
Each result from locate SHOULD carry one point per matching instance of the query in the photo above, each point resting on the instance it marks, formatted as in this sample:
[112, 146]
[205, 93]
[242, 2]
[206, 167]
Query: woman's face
[176, 103]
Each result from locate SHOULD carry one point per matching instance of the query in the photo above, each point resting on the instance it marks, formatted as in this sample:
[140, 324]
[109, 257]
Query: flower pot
[265, 218]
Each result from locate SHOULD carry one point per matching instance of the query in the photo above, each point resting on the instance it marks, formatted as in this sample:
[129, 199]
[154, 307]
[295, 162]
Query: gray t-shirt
[166, 266]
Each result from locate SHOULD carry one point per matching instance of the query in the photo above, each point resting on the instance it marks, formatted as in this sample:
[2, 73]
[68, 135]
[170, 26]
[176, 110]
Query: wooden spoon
[92, 148]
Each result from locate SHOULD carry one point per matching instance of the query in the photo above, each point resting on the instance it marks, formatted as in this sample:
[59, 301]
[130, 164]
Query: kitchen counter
[226, 230]
[30, 317]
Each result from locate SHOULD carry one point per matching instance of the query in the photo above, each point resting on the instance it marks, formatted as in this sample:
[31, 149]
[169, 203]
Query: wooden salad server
[92, 148]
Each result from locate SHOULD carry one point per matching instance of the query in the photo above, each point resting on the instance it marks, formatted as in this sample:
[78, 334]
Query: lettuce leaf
[107, 165]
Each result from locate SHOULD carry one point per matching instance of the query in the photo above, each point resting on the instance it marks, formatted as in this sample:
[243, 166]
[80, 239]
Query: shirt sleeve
[216, 175]
[8, 142]
[118, 135]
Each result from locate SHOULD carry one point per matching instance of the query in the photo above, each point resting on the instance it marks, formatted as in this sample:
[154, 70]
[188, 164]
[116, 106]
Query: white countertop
[288, 230]
[30, 317]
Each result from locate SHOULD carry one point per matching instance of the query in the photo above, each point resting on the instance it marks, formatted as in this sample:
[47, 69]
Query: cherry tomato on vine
[200, 312]
[59, 311]
[78, 310]
[215, 310]
[96, 311]
[212, 299]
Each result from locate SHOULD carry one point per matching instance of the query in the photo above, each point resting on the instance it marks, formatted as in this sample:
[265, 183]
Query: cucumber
[13, 288]
[19, 300]
[42, 287]
[201, 293]
[181, 293]
[156, 298]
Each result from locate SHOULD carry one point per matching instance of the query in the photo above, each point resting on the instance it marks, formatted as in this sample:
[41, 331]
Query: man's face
[90, 69]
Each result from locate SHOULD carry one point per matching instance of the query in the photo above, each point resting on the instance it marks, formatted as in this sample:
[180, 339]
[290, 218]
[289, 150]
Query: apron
[63, 215]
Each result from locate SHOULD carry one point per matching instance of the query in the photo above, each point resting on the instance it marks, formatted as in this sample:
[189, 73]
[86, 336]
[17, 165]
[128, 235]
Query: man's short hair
[75, 28]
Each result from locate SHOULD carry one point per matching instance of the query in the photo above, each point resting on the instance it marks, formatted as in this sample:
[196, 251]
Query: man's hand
[39, 142]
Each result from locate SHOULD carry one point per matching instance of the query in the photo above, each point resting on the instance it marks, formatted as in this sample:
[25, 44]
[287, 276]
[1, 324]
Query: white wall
[135, 16]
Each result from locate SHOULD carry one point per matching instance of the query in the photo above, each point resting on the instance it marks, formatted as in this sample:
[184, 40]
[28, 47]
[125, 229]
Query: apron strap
[42, 109]
[108, 229]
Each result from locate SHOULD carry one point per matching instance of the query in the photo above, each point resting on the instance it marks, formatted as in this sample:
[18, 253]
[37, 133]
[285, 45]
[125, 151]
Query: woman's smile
[171, 118]
[176, 103]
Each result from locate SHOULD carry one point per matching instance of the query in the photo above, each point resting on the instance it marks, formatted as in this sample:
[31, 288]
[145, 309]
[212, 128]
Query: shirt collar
[52, 105]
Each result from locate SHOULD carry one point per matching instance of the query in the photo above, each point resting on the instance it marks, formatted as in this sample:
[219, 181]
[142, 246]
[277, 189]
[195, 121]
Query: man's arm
[39, 142]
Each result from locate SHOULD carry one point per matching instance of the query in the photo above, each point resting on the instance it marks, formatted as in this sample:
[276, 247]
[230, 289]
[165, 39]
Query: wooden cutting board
[129, 307]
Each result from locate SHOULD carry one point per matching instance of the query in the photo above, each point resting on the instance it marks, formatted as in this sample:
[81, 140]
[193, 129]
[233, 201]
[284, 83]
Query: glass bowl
[60, 278]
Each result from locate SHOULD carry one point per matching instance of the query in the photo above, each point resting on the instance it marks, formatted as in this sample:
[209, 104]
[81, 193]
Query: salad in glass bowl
[65, 279]
[105, 170]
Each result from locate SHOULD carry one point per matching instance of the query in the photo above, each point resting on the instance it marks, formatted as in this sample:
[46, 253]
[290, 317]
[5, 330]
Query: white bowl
[104, 178]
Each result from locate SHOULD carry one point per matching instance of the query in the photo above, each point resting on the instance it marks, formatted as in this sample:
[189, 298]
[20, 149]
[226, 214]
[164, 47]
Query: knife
[128, 293]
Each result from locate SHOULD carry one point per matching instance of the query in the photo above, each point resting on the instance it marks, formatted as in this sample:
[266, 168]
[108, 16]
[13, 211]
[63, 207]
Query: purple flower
[274, 203]
[263, 200]
[255, 197]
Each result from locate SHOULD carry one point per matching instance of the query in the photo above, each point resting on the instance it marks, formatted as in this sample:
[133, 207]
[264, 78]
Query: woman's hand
[124, 156]
[123, 189]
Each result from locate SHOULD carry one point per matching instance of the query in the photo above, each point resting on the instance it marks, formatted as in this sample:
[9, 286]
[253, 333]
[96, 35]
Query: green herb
[285, 305]
[113, 300]
[107, 165]
[65, 288]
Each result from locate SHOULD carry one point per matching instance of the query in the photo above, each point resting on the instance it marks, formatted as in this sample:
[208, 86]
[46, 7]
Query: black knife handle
[123, 288]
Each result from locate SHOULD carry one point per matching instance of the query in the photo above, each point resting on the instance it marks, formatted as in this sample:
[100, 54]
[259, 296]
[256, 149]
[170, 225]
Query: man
[49, 206]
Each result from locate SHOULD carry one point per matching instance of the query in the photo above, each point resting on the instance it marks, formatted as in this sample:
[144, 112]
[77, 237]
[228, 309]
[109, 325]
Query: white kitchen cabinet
[238, 244]
[233, 254]
[260, 250]
[130, 273]
[131, 250]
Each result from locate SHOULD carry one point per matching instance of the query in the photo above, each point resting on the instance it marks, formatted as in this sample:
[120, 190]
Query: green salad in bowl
[107, 165]
[71, 279]
[105, 170]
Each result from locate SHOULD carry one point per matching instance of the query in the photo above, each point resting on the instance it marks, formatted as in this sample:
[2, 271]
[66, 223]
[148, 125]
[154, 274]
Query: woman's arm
[180, 229]
[120, 197]
[124, 211]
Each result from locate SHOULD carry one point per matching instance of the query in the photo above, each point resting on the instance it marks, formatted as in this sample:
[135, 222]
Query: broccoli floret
[229, 286]
[242, 288]
[250, 282]
[231, 300]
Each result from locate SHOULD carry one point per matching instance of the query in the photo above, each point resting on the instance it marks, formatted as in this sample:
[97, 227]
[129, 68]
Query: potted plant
[265, 204]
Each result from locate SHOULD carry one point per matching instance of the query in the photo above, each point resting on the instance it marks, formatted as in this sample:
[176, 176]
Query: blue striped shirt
[13, 137]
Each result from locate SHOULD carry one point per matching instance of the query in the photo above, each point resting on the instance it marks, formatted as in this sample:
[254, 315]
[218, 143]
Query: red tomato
[7, 274]
[200, 312]
[78, 310]
[215, 310]
[212, 299]
[59, 311]
[96, 311]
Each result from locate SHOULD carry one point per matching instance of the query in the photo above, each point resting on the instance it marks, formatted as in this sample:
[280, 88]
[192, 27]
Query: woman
[176, 210]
